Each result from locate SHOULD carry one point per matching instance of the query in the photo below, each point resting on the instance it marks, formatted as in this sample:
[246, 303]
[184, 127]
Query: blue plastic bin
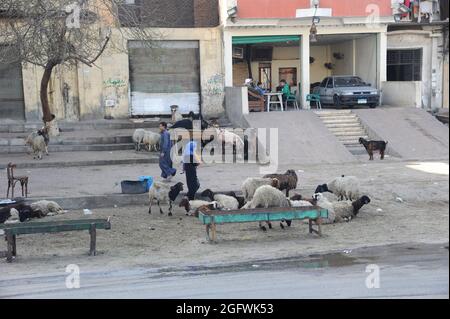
[147, 179]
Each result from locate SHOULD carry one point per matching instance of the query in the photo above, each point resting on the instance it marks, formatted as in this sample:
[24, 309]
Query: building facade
[304, 41]
[182, 66]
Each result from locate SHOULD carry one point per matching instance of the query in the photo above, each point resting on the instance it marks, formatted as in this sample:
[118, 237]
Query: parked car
[347, 91]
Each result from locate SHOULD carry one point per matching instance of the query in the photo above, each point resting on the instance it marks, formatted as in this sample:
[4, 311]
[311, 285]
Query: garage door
[11, 92]
[164, 75]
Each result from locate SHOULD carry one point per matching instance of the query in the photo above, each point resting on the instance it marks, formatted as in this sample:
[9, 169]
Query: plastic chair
[314, 98]
[292, 98]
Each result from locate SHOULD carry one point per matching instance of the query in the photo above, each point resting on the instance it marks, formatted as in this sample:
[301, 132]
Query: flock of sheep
[271, 191]
[22, 212]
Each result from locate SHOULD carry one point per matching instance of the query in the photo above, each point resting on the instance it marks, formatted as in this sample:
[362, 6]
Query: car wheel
[372, 106]
[337, 102]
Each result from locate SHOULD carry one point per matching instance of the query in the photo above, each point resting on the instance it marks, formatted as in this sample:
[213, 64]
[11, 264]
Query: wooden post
[213, 232]
[207, 232]
[9, 244]
[319, 226]
[93, 233]
[14, 249]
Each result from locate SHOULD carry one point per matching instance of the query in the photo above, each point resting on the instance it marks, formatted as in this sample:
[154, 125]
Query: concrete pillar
[382, 58]
[305, 72]
[228, 58]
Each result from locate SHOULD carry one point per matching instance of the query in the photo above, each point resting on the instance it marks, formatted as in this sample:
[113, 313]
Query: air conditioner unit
[238, 53]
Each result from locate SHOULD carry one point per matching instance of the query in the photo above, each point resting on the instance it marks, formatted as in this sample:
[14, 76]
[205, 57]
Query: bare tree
[49, 33]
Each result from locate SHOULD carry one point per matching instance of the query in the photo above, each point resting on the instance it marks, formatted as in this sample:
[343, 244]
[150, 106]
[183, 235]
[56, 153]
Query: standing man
[165, 162]
[190, 162]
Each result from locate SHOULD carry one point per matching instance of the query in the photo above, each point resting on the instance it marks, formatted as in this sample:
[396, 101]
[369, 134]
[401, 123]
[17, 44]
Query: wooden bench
[255, 102]
[212, 218]
[12, 230]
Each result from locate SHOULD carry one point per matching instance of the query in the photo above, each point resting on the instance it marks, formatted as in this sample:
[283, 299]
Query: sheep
[37, 144]
[14, 217]
[24, 213]
[151, 140]
[344, 187]
[288, 180]
[298, 197]
[176, 115]
[138, 136]
[164, 193]
[227, 202]
[300, 203]
[47, 208]
[268, 196]
[194, 205]
[44, 132]
[251, 184]
[230, 139]
[341, 210]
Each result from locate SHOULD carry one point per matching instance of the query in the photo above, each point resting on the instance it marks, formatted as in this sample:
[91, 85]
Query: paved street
[405, 271]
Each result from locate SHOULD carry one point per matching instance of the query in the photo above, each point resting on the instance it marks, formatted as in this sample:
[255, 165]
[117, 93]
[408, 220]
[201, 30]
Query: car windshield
[348, 82]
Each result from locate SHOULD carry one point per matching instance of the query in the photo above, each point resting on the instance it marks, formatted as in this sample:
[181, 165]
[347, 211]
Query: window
[324, 83]
[289, 75]
[404, 65]
[330, 83]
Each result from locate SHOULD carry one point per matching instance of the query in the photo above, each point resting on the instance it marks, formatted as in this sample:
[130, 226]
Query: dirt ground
[138, 239]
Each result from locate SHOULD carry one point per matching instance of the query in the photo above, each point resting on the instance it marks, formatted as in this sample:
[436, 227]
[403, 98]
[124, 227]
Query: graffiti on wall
[114, 83]
[215, 84]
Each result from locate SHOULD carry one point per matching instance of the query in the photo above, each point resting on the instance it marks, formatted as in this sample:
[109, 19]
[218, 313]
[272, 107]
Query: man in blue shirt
[165, 162]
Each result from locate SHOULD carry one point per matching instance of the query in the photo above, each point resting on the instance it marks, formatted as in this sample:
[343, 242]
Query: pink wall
[287, 8]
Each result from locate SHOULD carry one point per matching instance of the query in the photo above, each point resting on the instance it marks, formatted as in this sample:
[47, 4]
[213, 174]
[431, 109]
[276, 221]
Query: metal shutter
[12, 104]
[168, 73]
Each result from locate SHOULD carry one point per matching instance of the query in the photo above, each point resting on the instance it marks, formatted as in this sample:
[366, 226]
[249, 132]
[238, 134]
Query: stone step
[71, 148]
[340, 122]
[79, 126]
[340, 118]
[343, 126]
[326, 112]
[350, 139]
[345, 129]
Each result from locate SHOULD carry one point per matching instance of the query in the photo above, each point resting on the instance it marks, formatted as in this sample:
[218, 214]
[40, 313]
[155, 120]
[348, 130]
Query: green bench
[212, 218]
[12, 230]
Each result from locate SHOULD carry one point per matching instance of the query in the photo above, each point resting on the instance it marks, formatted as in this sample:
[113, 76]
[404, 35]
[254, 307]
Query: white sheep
[341, 210]
[194, 205]
[251, 184]
[227, 202]
[164, 194]
[268, 196]
[300, 203]
[151, 140]
[138, 136]
[14, 217]
[47, 208]
[344, 187]
[176, 115]
[37, 144]
[230, 139]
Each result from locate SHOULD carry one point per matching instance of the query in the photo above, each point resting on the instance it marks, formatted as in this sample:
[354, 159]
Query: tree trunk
[47, 115]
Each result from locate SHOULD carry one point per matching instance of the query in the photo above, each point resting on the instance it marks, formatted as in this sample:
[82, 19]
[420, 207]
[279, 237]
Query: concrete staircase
[76, 137]
[345, 125]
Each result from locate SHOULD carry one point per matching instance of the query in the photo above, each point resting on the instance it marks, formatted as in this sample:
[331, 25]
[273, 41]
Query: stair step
[340, 122]
[350, 134]
[71, 148]
[343, 126]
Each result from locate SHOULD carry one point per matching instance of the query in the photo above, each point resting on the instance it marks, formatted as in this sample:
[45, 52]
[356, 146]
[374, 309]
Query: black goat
[372, 146]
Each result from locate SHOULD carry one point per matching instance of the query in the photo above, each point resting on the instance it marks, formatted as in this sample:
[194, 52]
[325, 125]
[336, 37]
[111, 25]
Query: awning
[265, 39]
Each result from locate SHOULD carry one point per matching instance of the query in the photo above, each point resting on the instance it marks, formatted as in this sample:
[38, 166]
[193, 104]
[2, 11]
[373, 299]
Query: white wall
[394, 94]
[366, 61]
[345, 65]
[321, 54]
